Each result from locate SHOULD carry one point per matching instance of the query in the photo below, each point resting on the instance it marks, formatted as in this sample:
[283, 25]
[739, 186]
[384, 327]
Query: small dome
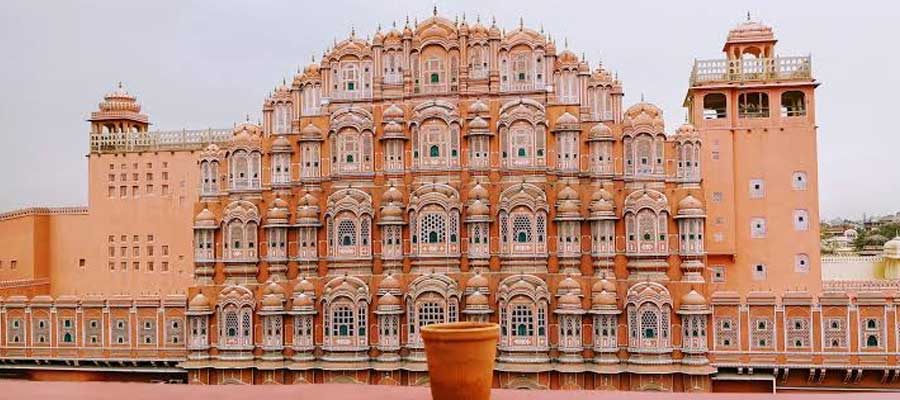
[478, 107]
[309, 199]
[392, 195]
[271, 300]
[476, 299]
[478, 123]
[601, 131]
[686, 130]
[477, 281]
[892, 248]
[603, 298]
[303, 300]
[307, 212]
[690, 205]
[566, 119]
[567, 193]
[478, 208]
[478, 192]
[304, 286]
[388, 299]
[602, 206]
[391, 210]
[205, 216]
[389, 282]
[568, 284]
[603, 284]
[199, 302]
[569, 300]
[311, 130]
[601, 193]
[568, 207]
[693, 298]
[280, 203]
[392, 112]
[281, 144]
[393, 128]
[273, 288]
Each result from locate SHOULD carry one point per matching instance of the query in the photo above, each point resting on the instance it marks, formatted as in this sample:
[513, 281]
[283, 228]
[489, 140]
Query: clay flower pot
[461, 359]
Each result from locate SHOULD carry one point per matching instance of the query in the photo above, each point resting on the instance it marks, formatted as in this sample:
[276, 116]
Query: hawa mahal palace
[452, 171]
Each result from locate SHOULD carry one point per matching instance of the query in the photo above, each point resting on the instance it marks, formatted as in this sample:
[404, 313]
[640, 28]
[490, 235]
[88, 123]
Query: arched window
[434, 151]
[793, 104]
[872, 341]
[753, 105]
[714, 106]
[649, 324]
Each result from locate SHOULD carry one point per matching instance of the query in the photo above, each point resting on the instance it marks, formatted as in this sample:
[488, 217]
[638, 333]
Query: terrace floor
[19, 389]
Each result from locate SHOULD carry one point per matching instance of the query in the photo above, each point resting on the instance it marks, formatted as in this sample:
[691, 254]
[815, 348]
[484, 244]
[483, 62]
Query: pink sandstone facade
[452, 171]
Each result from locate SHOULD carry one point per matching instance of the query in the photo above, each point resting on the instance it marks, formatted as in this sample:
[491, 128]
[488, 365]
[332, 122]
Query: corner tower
[755, 111]
[119, 113]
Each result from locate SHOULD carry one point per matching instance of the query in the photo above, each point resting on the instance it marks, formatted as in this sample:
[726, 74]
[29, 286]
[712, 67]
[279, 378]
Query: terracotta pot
[461, 359]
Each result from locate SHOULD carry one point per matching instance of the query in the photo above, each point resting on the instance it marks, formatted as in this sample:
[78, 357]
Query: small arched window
[714, 106]
[435, 78]
[793, 104]
[522, 237]
[871, 324]
[434, 151]
[872, 341]
[522, 152]
[432, 237]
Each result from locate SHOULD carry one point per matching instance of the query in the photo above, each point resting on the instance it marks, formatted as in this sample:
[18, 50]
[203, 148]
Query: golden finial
[313, 58]
[542, 28]
[748, 16]
[120, 84]
[464, 17]
[352, 31]
[434, 9]
[493, 21]
[642, 97]
[394, 24]
[247, 118]
[521, 23]
[378, 29]
[477, 18]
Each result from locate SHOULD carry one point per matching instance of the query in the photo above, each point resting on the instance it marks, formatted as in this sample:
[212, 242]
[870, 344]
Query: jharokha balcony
[751, 69]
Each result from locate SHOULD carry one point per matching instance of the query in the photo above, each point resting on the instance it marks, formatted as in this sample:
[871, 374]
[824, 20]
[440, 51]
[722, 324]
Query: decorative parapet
[859, 286]
[754, 69]
[25, 212]
[130, 142]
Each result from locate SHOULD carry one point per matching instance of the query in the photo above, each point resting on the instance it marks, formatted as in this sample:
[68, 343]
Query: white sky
[208, 63]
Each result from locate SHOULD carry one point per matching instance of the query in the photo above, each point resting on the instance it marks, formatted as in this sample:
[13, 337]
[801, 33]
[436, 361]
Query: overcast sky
[208, 63]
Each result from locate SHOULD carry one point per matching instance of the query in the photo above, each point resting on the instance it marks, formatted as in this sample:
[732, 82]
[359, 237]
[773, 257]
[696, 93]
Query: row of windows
[754, 105]
[758, 228]
[118, 331]
[136, 176]
[136, 191]
[149, 165]
[136, 251]
[134, 238]
[151, 266]
[798, 333]
[757, 186]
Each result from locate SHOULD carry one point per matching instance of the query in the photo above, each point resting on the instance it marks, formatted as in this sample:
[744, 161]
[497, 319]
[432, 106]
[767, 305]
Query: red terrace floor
[15, 389]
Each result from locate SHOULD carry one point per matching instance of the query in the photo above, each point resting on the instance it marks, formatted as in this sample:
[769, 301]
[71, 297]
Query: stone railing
[130, 142]
[522, 87]
[339, 95]
[756, 69]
